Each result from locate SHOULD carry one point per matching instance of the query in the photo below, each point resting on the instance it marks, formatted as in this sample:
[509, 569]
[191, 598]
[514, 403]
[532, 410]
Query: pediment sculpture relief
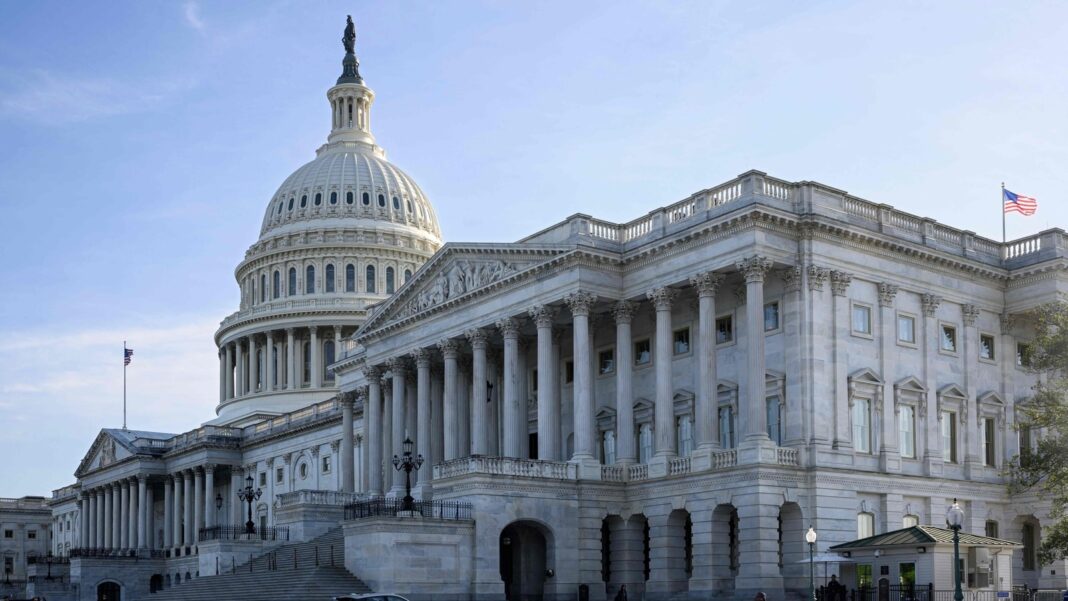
[457, 279]
[107, 452]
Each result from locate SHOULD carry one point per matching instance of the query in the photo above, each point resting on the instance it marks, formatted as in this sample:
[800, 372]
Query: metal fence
[929, 593]
[439, 510]
[277, 533]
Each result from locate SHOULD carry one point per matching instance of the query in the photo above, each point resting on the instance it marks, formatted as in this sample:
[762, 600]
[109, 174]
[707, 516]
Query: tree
[1044, 468]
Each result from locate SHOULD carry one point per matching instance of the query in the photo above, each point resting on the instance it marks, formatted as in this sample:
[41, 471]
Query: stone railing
[23, 503]
[724, 459]
[506, 466]
[281, 306]
[613, 473]
[318, 497]
[638, 471]
[789, 457]
[324, 410]
[678, 466]
[66, 492]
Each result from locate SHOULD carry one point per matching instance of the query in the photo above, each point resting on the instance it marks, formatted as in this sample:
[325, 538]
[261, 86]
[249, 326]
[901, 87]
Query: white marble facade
[666, 403]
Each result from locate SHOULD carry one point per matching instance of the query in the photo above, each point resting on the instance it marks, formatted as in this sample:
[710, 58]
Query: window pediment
[643, 411]
[683, 402]
[910, 391]
[952, 398]
[865, 383]
[727, 393]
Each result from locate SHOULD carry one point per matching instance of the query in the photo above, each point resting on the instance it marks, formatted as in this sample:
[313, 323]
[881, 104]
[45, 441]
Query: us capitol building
[667, 403]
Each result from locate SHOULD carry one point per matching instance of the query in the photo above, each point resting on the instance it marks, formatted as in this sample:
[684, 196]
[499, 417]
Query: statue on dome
[349, 39]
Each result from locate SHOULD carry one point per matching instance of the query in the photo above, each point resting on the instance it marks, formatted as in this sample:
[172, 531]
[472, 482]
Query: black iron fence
[927, 592]
[44, 560]
[277, 533]
[439, 510]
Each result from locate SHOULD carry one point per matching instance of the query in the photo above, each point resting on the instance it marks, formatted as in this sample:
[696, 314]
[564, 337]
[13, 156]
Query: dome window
[263, 288]
[350, 278]
[306, 376]
[303, 201]
[396, 204]
[348, 198]
[366, 199]
[329, 282]
[390, 285]
[292, 281]
[407, 275]
[371, 278]
[309, 280]
[318, 198]
[276, 289]
[290, 204]
[333, 198]
[280, 203]
[329, 354]
[381, 200]
[409, 203]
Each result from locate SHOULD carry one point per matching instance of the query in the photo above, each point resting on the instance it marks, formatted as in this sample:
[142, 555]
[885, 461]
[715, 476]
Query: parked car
[370, 597]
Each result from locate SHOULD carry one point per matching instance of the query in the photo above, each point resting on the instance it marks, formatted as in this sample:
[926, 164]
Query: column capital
[816, 277]
[449, 348]
[754, 268]
[509, 328]
[887, 292]
[397, 365]
[707, 283]
[477, 338]
[542, 315]
[346, 399]
[840, 281]
[580, 302]
[930, 303]
[623, 311]
[791, 277]
[372, 373]
[335, 445]
[1008, 321]
[662, 297]
[142, 478]
[209, 468]
[969, 313]
[290, 331]
[421, 357]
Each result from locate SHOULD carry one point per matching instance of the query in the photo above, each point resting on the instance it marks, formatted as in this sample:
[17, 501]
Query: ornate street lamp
[407, 463]
[247, 495]
[955, 517]
[810, 538]
[218, 501]
[48, 560]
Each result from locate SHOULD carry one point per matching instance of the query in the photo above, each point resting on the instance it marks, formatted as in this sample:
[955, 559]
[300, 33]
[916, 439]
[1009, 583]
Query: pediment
[991, 398]
[457, 273]
[866, 376]
[105, 450]
[952, 391]
[910, 384]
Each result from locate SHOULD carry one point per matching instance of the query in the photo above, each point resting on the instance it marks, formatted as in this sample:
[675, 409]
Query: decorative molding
[623, 311]
[509, 327]
[887, 292]
[707, 283]
[477, 338]
[421, 357]
[580, 302]
[969, 313]
[450, 349]
[816, 277]
[754, 268]
[662, 297]
[543, 315]
[930, 303]
[791, 277]
[840, 281]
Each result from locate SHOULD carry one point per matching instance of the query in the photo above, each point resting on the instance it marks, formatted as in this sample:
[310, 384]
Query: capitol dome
[342, 233]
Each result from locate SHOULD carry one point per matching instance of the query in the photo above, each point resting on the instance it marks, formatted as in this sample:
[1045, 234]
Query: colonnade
[440, 407]
[283, 369]
[118, 515]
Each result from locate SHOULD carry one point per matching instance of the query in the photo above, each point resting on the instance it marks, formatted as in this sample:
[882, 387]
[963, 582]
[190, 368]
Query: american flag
[127, 356]
[1019, 203]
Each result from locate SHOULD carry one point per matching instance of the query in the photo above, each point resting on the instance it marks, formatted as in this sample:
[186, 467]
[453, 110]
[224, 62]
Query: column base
[890, 461]
[658, 465]
[701, 459]
[588, 468]
[424, 491]
[757, 451]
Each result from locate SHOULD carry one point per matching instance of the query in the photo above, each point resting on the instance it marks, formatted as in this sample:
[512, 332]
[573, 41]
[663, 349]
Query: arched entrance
[108, 591]
[524, 559]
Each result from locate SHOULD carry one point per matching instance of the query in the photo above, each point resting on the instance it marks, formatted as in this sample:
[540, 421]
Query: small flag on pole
[127, 356]
[1019, 203]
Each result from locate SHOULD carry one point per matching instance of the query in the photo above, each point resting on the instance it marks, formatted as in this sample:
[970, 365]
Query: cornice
[278, 256]
[350, 315]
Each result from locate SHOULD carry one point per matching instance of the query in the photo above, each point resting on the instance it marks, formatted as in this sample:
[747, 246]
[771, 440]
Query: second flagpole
[123, 384]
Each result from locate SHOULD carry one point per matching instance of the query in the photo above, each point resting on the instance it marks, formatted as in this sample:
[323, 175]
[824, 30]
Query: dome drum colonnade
[284, 359]
[447, 424]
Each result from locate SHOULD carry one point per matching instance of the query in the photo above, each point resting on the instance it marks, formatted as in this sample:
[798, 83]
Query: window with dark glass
[771, 316]
[724, 329]
[408, 202]
[263, 478]
[292, 281]
[276, 285]
[681, 341]
[986, 347]
[303, 201]
[263, 288]
[309, 280]
[864, 575]
[949, 338]
[279, 475]
[396, 204]
[643, 352]
[949, 436]
[328, 358]
[381, 200]
[991, 529]
[390, 284]
[606, 361]
[329, 283]
[348, 198]
[371, 278]
[1025, 445]
[318, 198]
[306, 354]
[291, 204]
[989, 446]
[1023, 354]
[1029, 546]
[366, 199]
[407, 275]
[907, 574]
[333, 198]
[569, 372]
[350, 278]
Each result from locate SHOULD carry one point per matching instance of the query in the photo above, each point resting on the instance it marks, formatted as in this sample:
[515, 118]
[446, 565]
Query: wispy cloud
[191, 11]
[49, 98]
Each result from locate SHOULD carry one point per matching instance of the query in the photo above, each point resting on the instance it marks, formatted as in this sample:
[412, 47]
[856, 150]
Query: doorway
[108, 591]
[524, 560]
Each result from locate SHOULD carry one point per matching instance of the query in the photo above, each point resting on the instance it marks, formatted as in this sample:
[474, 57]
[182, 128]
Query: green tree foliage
[1044, 470]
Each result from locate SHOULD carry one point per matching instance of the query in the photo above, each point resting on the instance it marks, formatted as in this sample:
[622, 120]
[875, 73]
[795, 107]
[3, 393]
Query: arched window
[366, 199]
[329, 283]
[292, 281]
[303, 201]
[409, 203]
[276, 291]
[333, 198]
[328, 358]
[371, 278]
[306, 376]
[381, 200]
[348, 198]
[318, 198]
[407, 275]
[396, 204]
[279, 207]
[389, 280]
[350, 278]
[309, 280]
[290, 204]
[263, 288]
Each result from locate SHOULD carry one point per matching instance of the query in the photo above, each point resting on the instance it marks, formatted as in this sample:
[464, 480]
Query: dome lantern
[351, 100]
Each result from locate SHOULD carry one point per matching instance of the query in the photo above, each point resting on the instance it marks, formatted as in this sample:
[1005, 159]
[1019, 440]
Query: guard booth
[916, 564]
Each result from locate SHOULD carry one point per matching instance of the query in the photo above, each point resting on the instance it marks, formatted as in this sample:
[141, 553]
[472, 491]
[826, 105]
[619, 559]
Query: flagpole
[123, 384]
[1002, 203]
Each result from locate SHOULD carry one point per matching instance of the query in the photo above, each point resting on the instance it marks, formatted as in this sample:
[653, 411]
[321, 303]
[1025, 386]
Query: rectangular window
[906, 329]
[1023, 354]
[9, 565]
[681, 341]
[1025, 445]
[986, 347]
[569, 372]
[907, 574]
[862, 320]
[606, 361]
[864, 576]
[862, 425]
[949, 436]
[608, 447]
[726, 427]
[645, 443]
[991, 529]
[685, 436]
[724, 329]
[263, 478]
[31, 534]
[279, 475]
[907, 430]
[989, 446]
[774, 419]
[949, 338]
[9, 534]
[1028, 546]
[327, 460]
[771, 316]
[643, 352]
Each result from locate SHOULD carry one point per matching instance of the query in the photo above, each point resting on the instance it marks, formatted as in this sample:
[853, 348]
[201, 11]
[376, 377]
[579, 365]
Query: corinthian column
[479, 409]
[209, 495]
[580, 303]
[228, 373]
[109, 516]
[421, 357]
[511, 410]
[626, 450]
[168, 513]
[372, 421]
[705, 415]
[348, 481]
[399, 369]
[253, 365]
[316, 363]
[754, 270]
[124, 511]
[548, 427]
[291, 364]
[451, 411]
[188, 536]
[268, 363]
[664, 408]
[142, 511]
[239, 389]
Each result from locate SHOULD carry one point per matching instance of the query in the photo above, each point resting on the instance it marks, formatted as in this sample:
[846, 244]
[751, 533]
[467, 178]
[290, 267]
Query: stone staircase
[309, 570]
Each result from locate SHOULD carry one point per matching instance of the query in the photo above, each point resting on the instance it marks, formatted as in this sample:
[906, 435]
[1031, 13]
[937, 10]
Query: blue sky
[141, 142]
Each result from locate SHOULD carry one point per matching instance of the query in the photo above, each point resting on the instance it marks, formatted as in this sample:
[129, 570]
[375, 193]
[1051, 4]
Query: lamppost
[247, 495]
[955, 517]
[810, 538]
[407, 463]
[48, 560]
